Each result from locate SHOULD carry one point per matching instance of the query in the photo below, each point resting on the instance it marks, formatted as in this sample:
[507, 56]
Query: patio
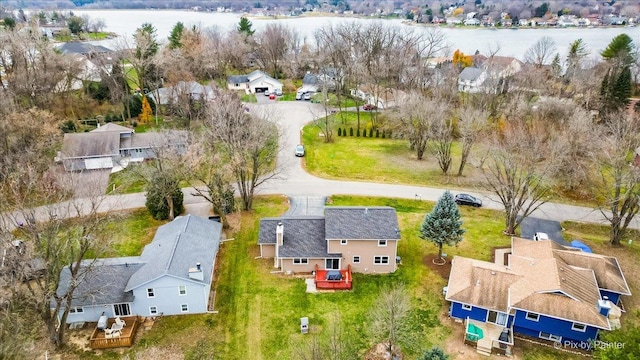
[488, 338]
[100, 339]
[333, 279]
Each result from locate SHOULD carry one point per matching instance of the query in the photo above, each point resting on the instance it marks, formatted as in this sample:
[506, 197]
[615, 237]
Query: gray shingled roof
[364, 223]
[76, 47]
[178, 246]
[91, 144]
[310, 79]
[156, 139]
[237, 79]
[470, 73]
[303, 236]
[112, 127]
[104, 282]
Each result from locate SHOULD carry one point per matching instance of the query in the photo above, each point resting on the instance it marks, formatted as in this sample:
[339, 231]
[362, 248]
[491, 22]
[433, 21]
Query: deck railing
[99, 341]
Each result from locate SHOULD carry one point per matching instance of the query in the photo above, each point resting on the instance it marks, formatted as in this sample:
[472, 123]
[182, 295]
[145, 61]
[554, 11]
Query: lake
[510, 42]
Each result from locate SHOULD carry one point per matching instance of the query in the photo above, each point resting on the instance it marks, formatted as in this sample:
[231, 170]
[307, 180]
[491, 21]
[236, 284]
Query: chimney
[280, 234]
[604, 306]
[196, 273]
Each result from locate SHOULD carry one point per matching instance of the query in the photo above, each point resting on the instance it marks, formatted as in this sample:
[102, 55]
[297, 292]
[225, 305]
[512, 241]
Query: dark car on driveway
[369, 107]
[466, 199]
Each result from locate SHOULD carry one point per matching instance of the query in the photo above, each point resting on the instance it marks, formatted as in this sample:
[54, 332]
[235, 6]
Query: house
[490, 74]
[381, 97]
[538, 289]
[111, 144]
[172, 276]
[85, 49]
[364, 239]
[191, 89]
[471, 79]
[255, 82]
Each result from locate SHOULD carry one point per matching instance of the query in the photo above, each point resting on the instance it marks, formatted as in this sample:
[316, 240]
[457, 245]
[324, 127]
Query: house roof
[195, 90]
[310, 79]
[304, 236]
[77, 47]
[361, 223]
[103, 282]
[237, 79]
[91, 144]
[542, 277]
[112, 127]
[155, 139]
[470, 73]
[177, 247]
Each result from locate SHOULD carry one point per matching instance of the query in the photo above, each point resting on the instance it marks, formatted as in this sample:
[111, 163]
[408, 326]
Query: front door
[332, 264]
[121, 310]
[498, 318]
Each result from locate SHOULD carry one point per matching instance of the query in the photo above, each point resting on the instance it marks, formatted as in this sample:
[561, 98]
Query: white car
[540, 236]
[278, 92]
[267, 93]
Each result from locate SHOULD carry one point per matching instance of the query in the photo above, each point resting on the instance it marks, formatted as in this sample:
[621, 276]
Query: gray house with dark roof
[172, 276]
[362, 238]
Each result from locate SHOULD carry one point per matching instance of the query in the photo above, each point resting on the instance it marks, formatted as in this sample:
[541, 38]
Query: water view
[509, 42]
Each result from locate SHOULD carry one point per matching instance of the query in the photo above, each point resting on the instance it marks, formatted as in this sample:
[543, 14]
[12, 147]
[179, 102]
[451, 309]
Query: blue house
[172, 276]
[538, 289]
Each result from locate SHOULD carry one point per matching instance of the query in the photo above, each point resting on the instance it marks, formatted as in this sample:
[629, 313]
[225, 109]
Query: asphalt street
[293, 181]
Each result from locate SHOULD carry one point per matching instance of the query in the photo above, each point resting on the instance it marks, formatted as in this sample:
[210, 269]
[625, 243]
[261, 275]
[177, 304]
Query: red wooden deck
[344, 284]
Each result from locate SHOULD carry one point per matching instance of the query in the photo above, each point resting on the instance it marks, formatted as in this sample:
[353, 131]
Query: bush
[371, 132]
[350, 131]
[358, 133]
[135, 124]
[68, 126]
[377, 133]
[339, 132]
[157, 204]
[383, 133]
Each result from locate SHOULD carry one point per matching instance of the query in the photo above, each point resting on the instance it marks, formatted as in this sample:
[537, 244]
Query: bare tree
[521, 163]
[390, 318]
[247, 142]
[618, 188]
[442, 139]
[541, 52]
[472, 125]
[274, 43]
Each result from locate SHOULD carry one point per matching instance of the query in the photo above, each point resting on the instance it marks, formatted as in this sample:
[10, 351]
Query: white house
[255, 82]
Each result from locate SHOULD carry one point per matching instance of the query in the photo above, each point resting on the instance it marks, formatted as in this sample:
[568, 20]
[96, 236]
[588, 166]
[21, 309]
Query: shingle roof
[77, 47]
[112, 127]
[470, 73]
[91, 144]
[304, 236]
[309, 79]
[361, 223]
[178, 246]
[542, 277]
[237, 79]
[103, 282]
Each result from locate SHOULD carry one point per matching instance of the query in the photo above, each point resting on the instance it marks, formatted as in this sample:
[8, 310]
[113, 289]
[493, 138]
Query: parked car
[307, 96]
[369, 107]
[540, 236]
[299, 150]
[278, 92]
[272, 96]
[267, 93]
[299, 95]
[466, 199]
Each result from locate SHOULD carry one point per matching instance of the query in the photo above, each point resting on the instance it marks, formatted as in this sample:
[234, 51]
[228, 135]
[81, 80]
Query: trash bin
[304, 325]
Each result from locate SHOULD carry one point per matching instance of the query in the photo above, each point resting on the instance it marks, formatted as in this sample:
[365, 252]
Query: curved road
[294, 181]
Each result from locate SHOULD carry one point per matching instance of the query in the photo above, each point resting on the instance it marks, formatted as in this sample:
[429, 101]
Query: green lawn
[249, 98]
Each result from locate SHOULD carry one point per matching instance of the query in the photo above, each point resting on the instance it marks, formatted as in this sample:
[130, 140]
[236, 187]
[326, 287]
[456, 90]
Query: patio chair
[120, 321]
[110, 334]
[117, 326]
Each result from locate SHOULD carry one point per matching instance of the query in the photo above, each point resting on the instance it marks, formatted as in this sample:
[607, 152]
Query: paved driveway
[306, 205]
[531, 225]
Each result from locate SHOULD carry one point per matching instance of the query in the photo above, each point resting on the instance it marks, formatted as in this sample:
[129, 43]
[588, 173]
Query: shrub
[358, 133]
[371, 132]
[157, 204]
[68, 126]
[135, 124]
[350, 131]
[344, 132]
[383, 133]
[339, 132]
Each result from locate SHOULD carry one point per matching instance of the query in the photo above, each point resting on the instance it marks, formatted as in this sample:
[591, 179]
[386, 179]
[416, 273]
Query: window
[579, 327]
[343, 242]
[356, 259]
[182, 290]
[184, 308]
[466, 307]
[151, 293]
[547, 336]
[382, 242]
[76, 310]
[121, 309]
[153, 310]
[532, 316]
[380, 260]
[300, 261]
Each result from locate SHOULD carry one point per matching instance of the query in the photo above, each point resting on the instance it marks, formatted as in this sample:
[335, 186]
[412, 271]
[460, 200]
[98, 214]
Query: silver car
[299, 151]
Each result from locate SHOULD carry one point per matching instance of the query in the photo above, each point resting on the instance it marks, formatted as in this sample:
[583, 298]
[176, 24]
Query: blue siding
[475, 313]
[552, 326]
[613, 297]
[167, 299]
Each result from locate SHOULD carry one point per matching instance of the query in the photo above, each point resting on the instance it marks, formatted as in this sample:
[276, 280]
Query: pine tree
[443, 225]
[175, 38]
[245, 26]
[146, 113]
[435, 353]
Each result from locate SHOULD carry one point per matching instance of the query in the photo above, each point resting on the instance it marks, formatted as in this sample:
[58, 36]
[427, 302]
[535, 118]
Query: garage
[261, 89]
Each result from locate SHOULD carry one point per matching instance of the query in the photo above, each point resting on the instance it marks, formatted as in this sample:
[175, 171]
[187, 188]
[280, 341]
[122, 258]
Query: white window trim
[182, 308]
[151, 294]
[382, 257]
[356, 261]
[551, 337]
[153, 310]
[343, 242]
[537, 317]
[180, 290]
[583, 329]
[382, 242]
[301, 261]
[467, 307]
[76, 310]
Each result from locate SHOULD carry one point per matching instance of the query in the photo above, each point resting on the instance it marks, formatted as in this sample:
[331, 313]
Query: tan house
[364, 239]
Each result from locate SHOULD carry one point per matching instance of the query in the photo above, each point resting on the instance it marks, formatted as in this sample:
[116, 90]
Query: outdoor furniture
[112, 333]
[120, 321]
[117, 326]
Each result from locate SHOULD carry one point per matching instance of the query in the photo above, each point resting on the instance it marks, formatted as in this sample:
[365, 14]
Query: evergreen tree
[9, 23]
[159, 191]
[443, 225]
[435, 353]
[245, 26]
[615, 89]
[175, 38]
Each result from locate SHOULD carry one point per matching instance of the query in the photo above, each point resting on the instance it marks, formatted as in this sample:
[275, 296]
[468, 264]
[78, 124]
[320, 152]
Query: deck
[322, 283]
[98, 339]
[489, 343]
